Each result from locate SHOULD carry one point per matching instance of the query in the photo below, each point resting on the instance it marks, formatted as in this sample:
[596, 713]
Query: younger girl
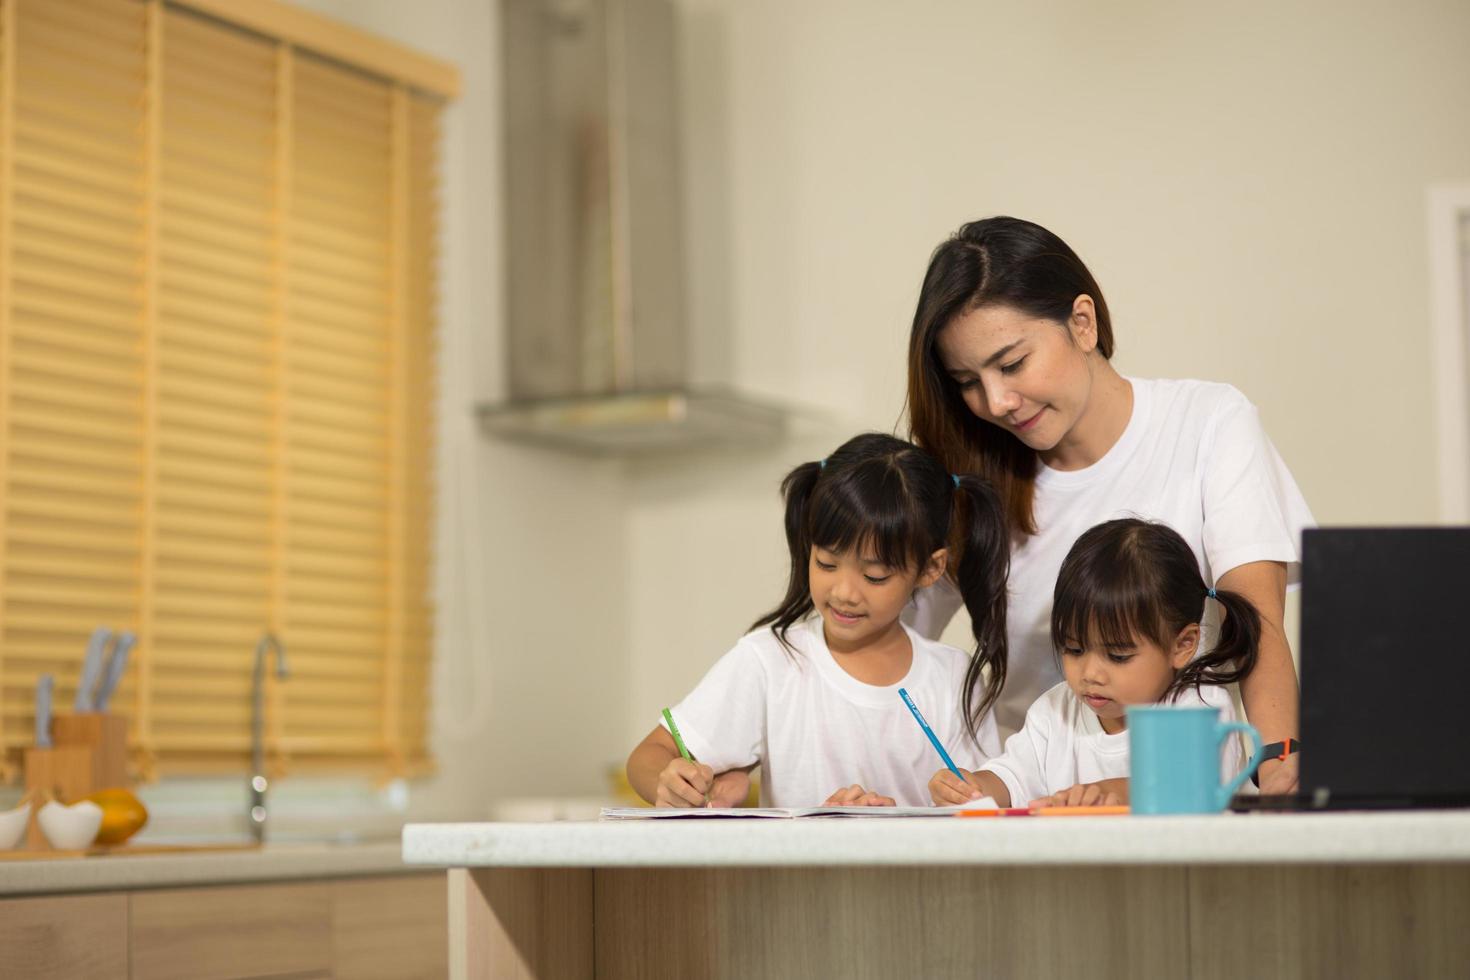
[1125, 624]
[813, 699]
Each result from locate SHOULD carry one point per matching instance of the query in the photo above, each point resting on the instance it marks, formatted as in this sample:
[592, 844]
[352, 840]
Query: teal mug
[1174, 759]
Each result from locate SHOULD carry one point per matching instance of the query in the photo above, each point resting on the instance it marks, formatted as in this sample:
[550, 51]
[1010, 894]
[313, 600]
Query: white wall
[1247, 182]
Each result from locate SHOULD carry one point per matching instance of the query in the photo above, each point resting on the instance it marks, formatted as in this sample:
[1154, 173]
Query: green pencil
[678, 739]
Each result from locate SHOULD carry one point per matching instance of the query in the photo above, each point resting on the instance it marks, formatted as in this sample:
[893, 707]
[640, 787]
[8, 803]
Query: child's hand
[685, 783]
[947, 789]
[730, 788]
[1086, 794]
[855, 795]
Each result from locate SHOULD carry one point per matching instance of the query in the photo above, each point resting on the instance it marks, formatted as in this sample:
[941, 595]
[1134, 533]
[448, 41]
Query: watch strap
[1272, 752]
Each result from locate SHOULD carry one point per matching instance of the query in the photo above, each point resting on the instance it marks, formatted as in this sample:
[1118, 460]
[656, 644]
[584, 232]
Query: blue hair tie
[956, 478]
[822, 463]
[1211, 593]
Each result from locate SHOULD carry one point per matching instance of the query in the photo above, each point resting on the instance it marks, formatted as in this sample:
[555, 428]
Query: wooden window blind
[217, 346]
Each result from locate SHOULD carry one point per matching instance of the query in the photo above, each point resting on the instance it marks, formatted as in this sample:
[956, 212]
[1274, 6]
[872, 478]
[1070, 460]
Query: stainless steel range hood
[597, 337]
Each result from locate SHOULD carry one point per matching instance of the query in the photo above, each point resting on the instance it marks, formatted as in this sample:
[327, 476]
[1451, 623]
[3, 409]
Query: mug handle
[1222, 732]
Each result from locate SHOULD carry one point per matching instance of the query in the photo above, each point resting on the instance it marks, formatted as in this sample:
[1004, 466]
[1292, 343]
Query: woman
[1009, 377]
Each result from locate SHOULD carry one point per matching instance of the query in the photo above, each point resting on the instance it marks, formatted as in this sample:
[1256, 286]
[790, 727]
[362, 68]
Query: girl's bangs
[1108, 614]
[841, 522]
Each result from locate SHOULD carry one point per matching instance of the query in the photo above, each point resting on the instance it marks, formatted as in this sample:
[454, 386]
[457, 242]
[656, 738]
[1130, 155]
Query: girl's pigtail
[1233, 657]
[981, 576]
[797, 490]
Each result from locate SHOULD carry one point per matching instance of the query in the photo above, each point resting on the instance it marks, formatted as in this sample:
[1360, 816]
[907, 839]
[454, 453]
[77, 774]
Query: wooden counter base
[1217, 921]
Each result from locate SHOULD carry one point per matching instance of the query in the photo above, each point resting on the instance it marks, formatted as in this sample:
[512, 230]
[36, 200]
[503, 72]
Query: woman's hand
[947, 789]
[855, 795]
[685, 783]
[1104, 793]
[1280, 776]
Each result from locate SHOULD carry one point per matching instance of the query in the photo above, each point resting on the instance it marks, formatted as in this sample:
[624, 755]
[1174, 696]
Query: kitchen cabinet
[392, 928]
[356, 928]
[240, 931]
[64, 937]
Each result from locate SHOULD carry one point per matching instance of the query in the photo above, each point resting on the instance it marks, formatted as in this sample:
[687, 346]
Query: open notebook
[786, 813]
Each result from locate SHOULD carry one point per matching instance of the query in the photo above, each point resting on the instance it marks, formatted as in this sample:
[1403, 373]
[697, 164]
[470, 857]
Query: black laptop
[1385, 670]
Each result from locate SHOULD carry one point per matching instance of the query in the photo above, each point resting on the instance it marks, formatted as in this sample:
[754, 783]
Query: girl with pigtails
[810, 694]
[1125, 629]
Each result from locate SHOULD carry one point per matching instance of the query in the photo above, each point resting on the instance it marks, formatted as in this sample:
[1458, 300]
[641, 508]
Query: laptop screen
[1385, 663]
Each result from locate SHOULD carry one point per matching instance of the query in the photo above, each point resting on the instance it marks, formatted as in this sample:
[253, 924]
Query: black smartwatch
[1275, 750]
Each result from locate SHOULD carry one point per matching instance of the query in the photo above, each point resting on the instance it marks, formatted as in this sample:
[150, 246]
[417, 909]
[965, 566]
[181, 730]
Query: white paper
[789, 813]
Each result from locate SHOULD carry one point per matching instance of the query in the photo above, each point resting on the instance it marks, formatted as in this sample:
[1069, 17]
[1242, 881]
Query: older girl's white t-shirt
[1062, 744]
[1194, 457]
[814, 728]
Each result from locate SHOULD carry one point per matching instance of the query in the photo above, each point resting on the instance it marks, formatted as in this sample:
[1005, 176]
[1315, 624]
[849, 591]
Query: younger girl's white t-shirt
[1062, 744]
[814, 728]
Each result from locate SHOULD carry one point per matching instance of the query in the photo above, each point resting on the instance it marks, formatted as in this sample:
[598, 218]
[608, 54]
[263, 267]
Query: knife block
[105, 735]
[63, 773]
[89, 752]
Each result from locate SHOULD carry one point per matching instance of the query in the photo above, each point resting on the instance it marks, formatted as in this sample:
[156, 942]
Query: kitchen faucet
[258, 782]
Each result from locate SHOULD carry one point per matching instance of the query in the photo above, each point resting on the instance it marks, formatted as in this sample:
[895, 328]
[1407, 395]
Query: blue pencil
[930, 732]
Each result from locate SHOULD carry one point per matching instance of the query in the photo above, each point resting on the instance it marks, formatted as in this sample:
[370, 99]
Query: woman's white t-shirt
[1194, 457]
[1062, 744]
[814, 728]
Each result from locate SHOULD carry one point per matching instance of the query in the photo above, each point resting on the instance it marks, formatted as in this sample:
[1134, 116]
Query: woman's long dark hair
[1129, 578]
[997, 261]
[884, 494]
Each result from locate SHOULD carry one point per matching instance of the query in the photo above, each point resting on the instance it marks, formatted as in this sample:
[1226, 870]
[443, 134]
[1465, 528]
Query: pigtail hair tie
[1211, 594]
[956, 478]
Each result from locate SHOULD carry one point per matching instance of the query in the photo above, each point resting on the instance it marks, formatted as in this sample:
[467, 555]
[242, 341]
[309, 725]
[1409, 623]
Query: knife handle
[92, 668]
[115, 668]
[43, 711]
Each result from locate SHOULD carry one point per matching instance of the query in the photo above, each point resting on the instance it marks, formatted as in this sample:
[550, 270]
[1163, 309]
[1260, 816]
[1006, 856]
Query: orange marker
[1011, 811]
[1081, 811]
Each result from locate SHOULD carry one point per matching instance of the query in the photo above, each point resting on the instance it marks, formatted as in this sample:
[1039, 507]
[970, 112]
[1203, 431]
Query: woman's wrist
[1273, 755]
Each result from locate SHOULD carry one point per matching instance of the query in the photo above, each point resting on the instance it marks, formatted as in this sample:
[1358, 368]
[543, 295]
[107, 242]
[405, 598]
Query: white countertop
[1336, 838]
[274, 862]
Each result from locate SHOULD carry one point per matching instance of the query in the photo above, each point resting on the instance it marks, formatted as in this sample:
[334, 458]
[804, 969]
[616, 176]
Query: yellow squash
[122, 815]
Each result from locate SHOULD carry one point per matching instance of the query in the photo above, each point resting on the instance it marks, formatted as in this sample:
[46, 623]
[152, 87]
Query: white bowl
[70, 828]
[13, 825]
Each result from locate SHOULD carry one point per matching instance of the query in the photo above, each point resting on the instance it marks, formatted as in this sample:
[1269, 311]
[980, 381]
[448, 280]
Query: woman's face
[1027, 375]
